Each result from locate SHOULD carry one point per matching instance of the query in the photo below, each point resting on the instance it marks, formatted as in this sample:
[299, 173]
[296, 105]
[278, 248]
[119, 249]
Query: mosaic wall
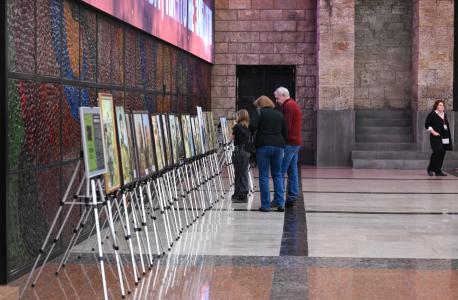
[60, 55]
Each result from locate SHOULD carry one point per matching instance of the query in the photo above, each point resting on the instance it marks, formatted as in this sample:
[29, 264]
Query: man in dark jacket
[293, 119]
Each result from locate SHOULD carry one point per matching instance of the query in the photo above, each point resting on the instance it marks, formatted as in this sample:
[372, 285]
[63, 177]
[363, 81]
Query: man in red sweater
[293, 119]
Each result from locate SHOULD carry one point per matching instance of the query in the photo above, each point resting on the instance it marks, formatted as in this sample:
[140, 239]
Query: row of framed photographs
[138, 144]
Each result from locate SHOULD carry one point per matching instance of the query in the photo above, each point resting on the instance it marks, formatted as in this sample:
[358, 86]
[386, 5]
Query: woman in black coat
[440, 137]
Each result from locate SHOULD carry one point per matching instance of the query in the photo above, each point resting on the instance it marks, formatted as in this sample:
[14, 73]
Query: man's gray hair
[282, 90]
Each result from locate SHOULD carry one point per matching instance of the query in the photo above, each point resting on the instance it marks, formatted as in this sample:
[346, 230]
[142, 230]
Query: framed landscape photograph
[192, 148]
[113, 176]
[93, 143]
[180, 141]
[185, 131]
[173, 138]
[224, 130]
[140, 145]
[131, 138]
[209, 129]
[150, 157]
[213, 131]
[158, 141]
[230, 127]
[125, 147]
[201, 127]
[196, 133]
[166, 135]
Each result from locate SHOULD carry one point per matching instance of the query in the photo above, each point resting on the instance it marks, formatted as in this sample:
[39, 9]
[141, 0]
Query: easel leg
[53, 224]
[113, 236]
[99, 239]
[137, 230]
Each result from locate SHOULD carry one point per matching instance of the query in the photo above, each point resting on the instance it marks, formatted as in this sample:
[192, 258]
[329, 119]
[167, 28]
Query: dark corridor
[254, 81]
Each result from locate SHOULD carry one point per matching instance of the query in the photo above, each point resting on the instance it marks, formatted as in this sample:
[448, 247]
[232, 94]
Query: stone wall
[266, 32]
[432, 67]
[433, 53]
[383, 54]
[336, 52]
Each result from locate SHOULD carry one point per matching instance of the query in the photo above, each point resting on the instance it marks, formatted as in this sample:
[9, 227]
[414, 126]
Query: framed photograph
[210, 130]
[167, 144]
[213, 131]
[190, 136]
[201, 127]
[158, 141]
[184, 130]
[196, 133]
[113, 175]
[125, 146]
[140, 145]
[150, 157]
[230, 126]
[224, 130]
[174, 139]
[93, 141]
[132, 146]
[180, 141]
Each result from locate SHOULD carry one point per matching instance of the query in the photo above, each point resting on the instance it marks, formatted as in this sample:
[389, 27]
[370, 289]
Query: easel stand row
[146, 217]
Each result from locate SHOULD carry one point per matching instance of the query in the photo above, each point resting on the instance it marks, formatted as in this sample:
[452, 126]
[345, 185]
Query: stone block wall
[383, 54]
[336, 57]
[336, 52]
[266, 32]
[433, 53]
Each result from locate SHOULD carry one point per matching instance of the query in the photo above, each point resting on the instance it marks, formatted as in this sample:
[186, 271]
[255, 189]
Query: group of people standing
[277, 138]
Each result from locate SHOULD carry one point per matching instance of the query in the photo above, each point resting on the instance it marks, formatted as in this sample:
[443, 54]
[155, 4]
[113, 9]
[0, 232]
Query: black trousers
[436, 161]
[241, 160]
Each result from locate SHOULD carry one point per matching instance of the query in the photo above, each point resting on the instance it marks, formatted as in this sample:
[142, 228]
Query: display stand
[98, 199]
[171, 199]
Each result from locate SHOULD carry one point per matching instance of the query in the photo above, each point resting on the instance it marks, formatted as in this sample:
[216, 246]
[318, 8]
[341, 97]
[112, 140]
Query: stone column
[336, 51]
[432, 62]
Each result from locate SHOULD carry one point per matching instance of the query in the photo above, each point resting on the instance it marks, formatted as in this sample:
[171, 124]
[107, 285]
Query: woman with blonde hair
[241, 135]
[269, 127]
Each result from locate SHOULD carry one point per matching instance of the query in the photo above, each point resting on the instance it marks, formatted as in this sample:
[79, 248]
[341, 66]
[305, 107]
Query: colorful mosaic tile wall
[60, 55]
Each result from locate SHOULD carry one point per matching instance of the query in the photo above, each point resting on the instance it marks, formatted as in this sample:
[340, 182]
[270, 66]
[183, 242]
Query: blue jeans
[270, 157]
[289, 166]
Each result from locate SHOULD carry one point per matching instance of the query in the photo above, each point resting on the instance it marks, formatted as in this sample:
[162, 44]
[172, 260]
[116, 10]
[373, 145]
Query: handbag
[250, 145]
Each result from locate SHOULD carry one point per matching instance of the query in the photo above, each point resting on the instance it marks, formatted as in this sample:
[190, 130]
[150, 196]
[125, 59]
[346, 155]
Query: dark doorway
[254, 81]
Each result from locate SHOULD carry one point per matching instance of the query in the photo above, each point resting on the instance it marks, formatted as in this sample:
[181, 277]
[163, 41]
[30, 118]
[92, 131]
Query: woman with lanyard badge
[437, 125]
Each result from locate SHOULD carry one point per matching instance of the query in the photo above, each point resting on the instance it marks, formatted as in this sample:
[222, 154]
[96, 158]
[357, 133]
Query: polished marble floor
[354, 234]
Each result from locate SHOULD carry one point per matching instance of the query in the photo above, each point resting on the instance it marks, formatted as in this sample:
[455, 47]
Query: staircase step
[384, 130]
[387, 138]
[385, 146]
[396, 155]
[383, 122]
[382, 114]
[417, 164]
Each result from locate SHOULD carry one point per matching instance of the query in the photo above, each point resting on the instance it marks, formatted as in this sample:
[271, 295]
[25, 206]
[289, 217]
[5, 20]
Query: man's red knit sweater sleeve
[293, 119]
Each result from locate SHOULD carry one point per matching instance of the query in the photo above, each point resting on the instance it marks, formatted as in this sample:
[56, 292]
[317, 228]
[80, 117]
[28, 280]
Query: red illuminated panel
[187, 24]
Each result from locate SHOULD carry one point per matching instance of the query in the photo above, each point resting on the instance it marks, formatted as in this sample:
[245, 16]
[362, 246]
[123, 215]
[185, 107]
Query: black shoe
[240, 200]
[280, 209]
[430, 173]
[441, 174]
[290, 203]
[273, 204]
[264, 209]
